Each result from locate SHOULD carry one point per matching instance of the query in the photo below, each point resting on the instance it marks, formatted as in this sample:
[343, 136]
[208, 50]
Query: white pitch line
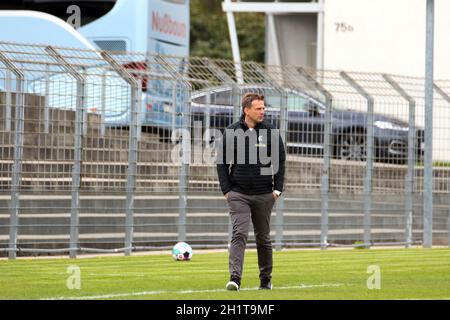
[145, 293]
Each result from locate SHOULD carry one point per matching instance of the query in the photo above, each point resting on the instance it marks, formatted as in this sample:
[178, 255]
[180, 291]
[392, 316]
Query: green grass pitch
[413, 273]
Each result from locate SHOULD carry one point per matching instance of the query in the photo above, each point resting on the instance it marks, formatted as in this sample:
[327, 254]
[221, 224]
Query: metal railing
[115, 152]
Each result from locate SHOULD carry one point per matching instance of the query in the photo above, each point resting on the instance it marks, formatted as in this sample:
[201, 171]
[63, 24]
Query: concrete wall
[384, 36]
[297, 35]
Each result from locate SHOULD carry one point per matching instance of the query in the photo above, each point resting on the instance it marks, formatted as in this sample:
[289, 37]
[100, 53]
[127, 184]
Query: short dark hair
[248, 98]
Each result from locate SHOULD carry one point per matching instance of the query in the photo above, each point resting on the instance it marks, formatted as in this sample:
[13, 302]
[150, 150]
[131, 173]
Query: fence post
[18, 152]
[236, 92]
[279, 221]
[409, 179]
[184, 175]
[428, 161]
[236, 97]
[139, 113]
[446, 97]
[185, 161]
[448, 230]
[8, 101]
[132, 149]
[47, 102]
[174, 107]
[369, 156]
[76, 170]
[326, 168]
[103, 105]
[186, 154]
[85, 112]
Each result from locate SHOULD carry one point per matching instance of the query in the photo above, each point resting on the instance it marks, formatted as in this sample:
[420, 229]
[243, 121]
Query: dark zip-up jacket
[245, 175]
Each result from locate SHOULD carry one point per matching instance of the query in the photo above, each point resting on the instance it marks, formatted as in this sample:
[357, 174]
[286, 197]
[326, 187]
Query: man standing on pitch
[250, 167]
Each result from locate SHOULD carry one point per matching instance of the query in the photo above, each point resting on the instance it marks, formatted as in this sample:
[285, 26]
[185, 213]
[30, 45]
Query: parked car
[306, 125]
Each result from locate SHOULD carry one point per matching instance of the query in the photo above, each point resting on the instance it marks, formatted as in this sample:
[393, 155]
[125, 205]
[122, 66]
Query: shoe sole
[232, 286]
[266, 288]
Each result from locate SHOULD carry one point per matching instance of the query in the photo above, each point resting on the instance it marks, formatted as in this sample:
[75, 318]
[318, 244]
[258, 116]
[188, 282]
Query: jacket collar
[245, 126]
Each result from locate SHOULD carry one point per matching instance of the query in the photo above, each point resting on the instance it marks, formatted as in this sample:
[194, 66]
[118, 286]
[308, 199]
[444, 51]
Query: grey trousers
[258, 208]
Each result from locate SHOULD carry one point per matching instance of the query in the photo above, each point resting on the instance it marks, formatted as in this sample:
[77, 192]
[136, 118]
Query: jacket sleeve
[223, 168]
[279, 175]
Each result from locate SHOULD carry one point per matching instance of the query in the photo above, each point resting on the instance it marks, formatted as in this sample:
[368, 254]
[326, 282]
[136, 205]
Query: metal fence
[115, 152]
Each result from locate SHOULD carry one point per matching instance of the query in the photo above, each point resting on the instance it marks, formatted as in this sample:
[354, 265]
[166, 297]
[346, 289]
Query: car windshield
[295, 102]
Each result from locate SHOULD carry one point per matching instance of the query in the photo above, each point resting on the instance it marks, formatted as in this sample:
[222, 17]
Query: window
[300, 103]
[222, 98]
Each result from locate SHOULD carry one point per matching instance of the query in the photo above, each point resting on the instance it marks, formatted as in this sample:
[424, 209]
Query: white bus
[146, 26]
[153, 26]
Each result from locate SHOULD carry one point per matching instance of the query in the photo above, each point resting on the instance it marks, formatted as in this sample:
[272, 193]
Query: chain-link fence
[115, 152]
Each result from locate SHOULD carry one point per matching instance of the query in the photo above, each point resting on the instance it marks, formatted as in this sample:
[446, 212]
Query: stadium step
[46, 220]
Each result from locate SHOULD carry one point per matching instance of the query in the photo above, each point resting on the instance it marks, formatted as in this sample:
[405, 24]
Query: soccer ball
[182, 251]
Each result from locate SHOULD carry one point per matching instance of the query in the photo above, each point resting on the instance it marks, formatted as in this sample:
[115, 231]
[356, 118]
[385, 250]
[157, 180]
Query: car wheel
[352, 146]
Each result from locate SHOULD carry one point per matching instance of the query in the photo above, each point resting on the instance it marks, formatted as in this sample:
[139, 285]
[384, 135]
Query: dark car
[306, 125]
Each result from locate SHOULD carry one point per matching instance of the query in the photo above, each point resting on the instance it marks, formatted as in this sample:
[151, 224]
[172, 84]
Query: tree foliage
[209, 35]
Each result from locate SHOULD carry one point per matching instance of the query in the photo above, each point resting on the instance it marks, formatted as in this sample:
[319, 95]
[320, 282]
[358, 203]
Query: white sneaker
[232, 286]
